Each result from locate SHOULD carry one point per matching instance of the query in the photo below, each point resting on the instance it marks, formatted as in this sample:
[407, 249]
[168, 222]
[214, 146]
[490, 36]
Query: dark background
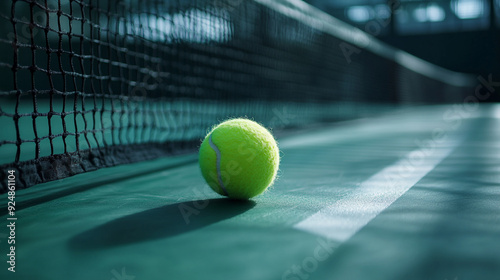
[461, 35]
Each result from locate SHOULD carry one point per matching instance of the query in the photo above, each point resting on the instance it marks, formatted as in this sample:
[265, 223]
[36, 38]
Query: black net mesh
[88, 84]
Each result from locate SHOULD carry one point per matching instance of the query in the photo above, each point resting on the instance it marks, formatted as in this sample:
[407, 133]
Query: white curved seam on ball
[219, 176]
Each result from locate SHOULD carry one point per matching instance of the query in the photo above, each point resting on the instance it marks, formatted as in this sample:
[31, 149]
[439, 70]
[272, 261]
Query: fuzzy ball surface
[239, 158]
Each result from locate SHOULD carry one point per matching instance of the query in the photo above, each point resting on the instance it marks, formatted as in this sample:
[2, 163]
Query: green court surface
[411, 194]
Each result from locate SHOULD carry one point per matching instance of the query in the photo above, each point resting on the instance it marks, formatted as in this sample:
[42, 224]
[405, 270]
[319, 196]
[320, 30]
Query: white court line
[342, 219]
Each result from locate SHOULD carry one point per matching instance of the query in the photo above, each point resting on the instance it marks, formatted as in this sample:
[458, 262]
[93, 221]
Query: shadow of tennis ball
[157, 223]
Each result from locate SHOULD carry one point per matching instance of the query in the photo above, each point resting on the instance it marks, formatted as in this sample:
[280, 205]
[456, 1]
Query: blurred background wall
[461, 35]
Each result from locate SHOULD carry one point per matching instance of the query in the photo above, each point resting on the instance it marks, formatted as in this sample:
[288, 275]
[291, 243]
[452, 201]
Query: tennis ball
[239, 159]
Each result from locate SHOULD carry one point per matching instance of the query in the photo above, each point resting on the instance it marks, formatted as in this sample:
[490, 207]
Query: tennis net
[88, 84]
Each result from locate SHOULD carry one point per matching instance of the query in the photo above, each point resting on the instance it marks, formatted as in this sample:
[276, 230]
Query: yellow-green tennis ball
[239, 158]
